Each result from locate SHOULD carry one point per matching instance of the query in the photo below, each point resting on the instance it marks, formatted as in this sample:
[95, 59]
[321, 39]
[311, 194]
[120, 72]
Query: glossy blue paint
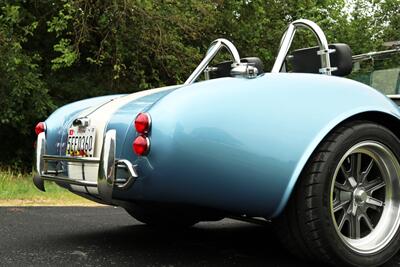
[123, 119]
[232, 144]
[60, 120]
[239, 145]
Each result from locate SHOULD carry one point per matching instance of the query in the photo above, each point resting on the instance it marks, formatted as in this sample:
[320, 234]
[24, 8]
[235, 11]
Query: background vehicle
[316, 154]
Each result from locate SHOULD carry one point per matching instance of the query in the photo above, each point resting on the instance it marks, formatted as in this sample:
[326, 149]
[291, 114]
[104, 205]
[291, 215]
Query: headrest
[307, 60]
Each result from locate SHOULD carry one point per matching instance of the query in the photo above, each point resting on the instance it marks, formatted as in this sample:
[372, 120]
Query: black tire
[308, 226]
[161, 217]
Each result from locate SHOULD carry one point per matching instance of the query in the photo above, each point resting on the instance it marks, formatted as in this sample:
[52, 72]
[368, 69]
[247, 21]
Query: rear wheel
[346, 207]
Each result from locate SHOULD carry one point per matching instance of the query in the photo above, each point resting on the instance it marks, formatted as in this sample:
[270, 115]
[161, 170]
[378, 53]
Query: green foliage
[23, 94]
[68, 55]
[389, 17]
[52, 54]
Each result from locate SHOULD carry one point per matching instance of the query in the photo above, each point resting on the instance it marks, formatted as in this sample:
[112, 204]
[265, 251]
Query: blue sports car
[302, 147]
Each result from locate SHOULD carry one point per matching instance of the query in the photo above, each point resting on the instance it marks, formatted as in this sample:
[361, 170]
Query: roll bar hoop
[322, 42]
[215, 46]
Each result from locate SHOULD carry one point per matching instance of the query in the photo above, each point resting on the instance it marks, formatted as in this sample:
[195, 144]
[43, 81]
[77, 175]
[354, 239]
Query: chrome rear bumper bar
[107, 165]
[68, 180]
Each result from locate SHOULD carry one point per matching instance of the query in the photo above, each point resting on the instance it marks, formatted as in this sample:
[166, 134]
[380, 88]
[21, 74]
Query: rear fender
[239, 145]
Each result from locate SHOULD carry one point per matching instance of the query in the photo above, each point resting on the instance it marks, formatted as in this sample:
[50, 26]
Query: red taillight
[40, 128]
[141, 145]
[142, 123]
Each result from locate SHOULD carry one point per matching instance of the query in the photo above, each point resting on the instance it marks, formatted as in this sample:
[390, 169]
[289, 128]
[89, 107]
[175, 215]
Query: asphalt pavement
[104, 236]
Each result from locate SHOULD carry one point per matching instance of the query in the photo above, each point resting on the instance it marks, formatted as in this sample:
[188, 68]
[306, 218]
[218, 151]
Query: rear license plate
[81, 141]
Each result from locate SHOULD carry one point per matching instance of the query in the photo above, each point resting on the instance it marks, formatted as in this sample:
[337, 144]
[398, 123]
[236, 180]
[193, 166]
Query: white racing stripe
[102, 116]
[99, 117]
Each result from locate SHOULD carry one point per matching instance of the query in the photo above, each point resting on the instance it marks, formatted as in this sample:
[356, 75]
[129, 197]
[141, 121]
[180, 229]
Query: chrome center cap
[360, 196]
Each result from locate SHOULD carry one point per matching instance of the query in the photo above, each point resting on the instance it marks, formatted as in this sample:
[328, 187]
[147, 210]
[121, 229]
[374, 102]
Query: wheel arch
[382, 118]
[387, 120]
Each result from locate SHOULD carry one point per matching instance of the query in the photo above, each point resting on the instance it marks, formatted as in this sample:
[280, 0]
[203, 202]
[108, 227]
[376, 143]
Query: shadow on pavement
[210, 244]
[77, 236]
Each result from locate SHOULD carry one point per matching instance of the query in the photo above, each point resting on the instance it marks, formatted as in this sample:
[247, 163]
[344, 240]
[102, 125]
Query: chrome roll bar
[215, 46]
[287, 40]
[371, 55]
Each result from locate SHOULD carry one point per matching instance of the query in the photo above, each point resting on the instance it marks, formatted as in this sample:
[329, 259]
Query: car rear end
[78, 146]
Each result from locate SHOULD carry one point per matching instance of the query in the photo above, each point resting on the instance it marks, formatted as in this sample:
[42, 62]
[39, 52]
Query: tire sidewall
[357, 133]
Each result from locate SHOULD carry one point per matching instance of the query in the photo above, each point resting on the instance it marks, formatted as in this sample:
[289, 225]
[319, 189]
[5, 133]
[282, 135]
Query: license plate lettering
[80, 142]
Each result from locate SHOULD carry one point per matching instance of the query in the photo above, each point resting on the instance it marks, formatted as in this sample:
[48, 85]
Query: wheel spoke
[352, 182]
[375, 202]
[344, 218]
[362, 191]
[353, 208]
[354, 227]
[340, 205]
[357, 174]
[375, 185]
[367, 171]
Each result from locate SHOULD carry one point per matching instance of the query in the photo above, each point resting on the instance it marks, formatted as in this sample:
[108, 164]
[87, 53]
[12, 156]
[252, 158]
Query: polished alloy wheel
[365, 197]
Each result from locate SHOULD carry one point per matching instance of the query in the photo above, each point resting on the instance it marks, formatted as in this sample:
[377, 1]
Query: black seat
[307, 60]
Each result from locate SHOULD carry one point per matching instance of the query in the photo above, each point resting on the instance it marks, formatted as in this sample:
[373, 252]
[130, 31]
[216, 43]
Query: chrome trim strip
[287, 41]
[68, 180]
[123, 163]
[40, 151]
[56, 172]
[127, 164]
[71, 159]
[106, 176]
[215, 46]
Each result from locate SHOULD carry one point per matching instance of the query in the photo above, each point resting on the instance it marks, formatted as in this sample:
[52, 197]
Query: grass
[18, 189]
